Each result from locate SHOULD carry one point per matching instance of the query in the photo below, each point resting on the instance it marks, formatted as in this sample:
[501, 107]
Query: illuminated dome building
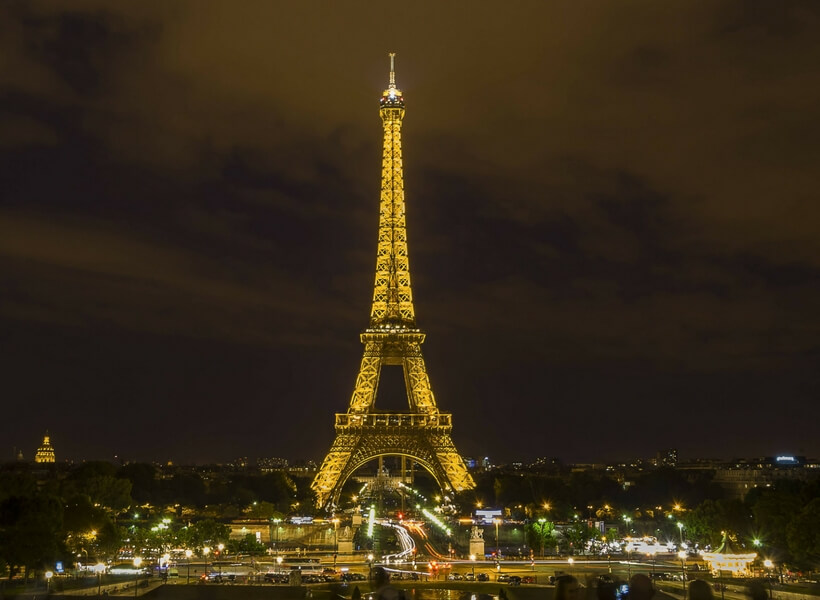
[45, 453]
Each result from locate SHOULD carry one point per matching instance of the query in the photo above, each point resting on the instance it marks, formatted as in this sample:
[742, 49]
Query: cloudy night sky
[613, 223]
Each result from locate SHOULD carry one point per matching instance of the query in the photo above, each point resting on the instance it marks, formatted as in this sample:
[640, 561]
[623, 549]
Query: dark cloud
[611, 208]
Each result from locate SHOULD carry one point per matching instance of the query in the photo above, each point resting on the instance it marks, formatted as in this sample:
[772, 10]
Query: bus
[219, 571]
[308, 566]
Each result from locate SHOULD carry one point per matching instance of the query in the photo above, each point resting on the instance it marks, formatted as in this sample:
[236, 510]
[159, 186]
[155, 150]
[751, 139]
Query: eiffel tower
[421, 434]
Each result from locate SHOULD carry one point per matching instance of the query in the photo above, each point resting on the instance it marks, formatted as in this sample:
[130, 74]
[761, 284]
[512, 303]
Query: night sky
[613, 223]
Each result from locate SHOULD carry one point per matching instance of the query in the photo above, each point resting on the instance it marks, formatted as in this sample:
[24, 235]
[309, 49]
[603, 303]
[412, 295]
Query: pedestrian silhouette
[640, 587]
[567, 588]
[700, 590]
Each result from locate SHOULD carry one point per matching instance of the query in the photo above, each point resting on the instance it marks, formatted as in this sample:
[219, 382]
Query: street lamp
[472, 560]
[279, 564]
[221, 547]
[497, 547]
[571, 561]
[769, 565]
[276, 522]
[335, 539]
[188, 554]
[629, 561]
[166, 560]
[137, 564]
[49, 575]
[99, 568]
[205, 552]
[370, 567]
[682, 556]
[680, 528]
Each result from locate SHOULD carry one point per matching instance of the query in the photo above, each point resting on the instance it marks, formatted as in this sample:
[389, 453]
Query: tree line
[95, 508]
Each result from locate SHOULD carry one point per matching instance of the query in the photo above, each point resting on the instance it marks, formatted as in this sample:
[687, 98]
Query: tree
[248, 544]
[144, 481]
[88, 527]
[209, 532]
[541, 535]
[578, 535]
[707, 521]
[30, 531]
[264, 510]
[803, 535]
[773, 510]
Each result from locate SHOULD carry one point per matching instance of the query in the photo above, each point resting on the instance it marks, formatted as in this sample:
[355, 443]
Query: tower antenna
[392, 70]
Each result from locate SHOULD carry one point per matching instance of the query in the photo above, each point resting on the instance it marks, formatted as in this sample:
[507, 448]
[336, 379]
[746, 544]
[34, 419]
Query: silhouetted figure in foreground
[640, 587]
[700, 590]
[383, 590]
[607, 590]
[757, 591]
[567, 588]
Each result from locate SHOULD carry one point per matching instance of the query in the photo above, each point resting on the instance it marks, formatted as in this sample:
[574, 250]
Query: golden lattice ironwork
[392, 338]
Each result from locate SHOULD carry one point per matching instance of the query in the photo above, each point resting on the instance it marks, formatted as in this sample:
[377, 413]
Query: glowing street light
[682, 557]
[680, 529]
[472, 560]
[49, 575]
[497, 547]
[206, 550]
[99, 569]
[370, 567]
[188, 554]
[137, 564]
[570, 561]
[336, 522]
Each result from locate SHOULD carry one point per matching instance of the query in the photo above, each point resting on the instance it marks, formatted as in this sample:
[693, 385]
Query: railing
[394, 420]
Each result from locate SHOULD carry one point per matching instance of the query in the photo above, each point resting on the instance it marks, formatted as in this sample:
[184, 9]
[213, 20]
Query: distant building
[45, 453]
[240, 463]
[667, 458]
[267, 465]
[488, 516]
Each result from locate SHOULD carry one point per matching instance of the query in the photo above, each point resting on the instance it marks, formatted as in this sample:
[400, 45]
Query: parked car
[528, 579]
[514, 580]
[503, 577]
[482, 577]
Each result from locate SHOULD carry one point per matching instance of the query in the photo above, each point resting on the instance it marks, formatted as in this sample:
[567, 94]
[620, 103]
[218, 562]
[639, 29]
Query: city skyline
[612, 235]
[662, 457]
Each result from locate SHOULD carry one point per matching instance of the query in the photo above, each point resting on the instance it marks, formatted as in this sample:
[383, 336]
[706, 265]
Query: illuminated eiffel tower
[421, 434]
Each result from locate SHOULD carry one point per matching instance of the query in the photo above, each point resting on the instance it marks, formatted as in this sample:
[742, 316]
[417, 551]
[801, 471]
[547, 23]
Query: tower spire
[392, 71]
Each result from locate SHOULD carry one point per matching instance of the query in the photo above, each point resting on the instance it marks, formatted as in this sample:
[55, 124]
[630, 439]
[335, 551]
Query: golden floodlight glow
[422, 434]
